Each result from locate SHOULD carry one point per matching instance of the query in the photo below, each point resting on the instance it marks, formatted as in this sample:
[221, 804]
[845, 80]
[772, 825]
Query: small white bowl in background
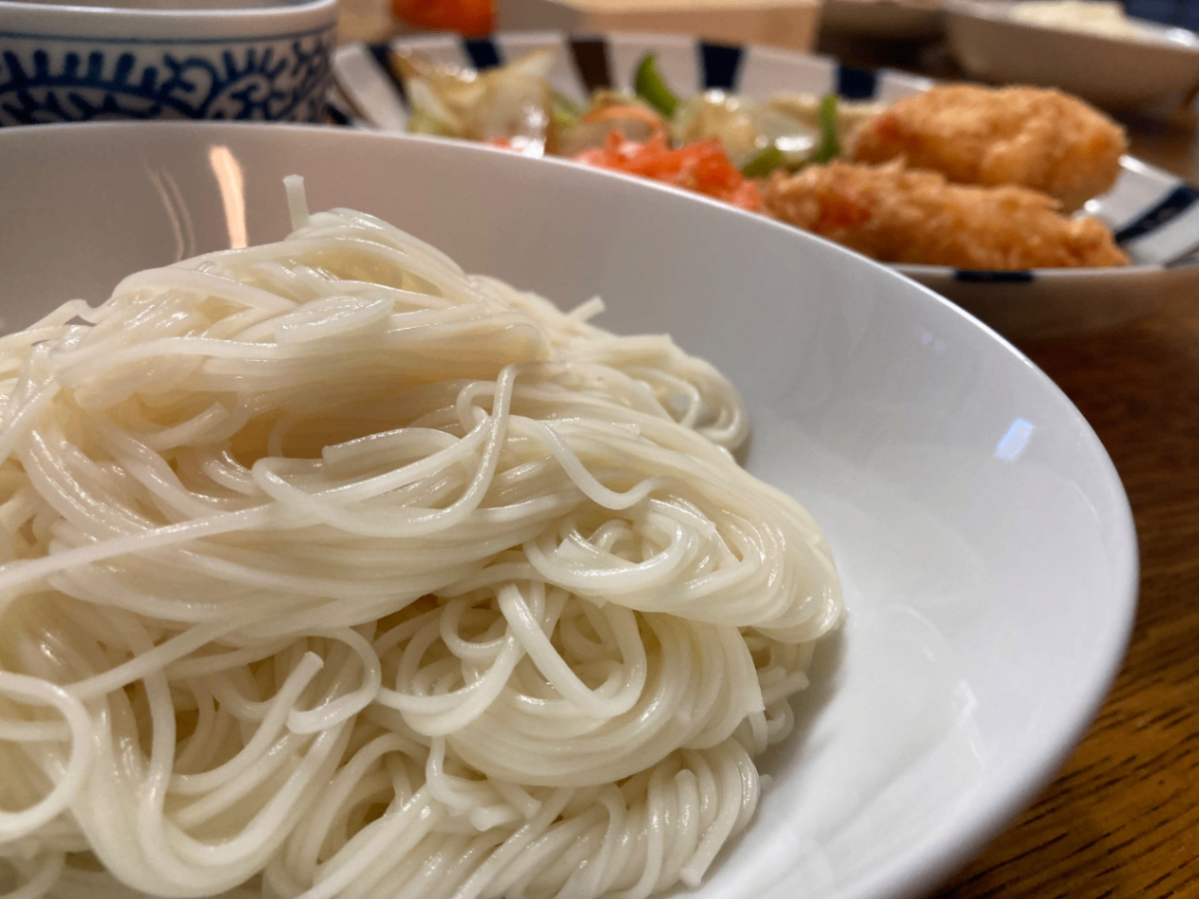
[165, 59]
[990, 43]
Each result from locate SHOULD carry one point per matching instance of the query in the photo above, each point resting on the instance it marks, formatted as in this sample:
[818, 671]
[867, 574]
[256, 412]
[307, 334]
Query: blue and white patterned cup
[265, 60]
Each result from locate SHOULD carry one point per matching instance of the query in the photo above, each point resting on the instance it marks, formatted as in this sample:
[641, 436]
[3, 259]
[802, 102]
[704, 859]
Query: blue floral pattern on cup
[45, 79]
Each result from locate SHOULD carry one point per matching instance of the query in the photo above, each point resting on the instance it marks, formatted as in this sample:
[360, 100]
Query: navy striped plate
[1155, 215]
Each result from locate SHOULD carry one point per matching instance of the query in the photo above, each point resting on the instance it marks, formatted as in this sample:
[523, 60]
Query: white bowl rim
[267, 10]
[1015, 275]
[1157, 36]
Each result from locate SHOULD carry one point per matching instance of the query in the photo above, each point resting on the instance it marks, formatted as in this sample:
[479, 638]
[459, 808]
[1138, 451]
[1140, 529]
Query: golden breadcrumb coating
[1041, 139]
[895, 214]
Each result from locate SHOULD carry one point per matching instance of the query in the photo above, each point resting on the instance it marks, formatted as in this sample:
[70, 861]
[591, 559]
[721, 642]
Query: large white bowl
[984, 539]
[990, 43]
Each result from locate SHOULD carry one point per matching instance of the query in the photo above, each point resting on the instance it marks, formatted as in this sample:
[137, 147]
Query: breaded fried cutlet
[894, 214]
[1030, 137]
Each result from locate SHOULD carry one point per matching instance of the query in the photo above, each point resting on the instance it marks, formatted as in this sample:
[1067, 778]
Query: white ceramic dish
[165, 59]
[1155, 215]
[983, 536]
[989, 43]
[898, 20]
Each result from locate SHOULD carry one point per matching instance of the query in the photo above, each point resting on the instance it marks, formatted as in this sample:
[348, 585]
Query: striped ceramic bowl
[1154, 215]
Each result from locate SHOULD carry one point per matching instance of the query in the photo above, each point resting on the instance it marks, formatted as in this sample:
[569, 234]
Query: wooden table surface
[1121, 819]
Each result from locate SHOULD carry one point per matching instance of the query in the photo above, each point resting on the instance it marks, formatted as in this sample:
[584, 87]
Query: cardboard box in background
[783, 23]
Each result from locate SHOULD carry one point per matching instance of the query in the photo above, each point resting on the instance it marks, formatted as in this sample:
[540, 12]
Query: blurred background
[908, 35]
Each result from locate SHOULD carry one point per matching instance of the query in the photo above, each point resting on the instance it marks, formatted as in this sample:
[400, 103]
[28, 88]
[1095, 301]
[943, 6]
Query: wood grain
[1121, 819]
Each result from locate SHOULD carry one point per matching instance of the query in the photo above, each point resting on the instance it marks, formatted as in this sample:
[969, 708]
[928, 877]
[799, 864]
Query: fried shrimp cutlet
[1029, 137]
[895, 214]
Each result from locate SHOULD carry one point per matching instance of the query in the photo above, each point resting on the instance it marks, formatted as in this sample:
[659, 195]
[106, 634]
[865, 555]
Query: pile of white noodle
[328, 570]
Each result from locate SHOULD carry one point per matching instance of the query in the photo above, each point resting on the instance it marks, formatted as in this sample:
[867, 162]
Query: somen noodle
[329, 570]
